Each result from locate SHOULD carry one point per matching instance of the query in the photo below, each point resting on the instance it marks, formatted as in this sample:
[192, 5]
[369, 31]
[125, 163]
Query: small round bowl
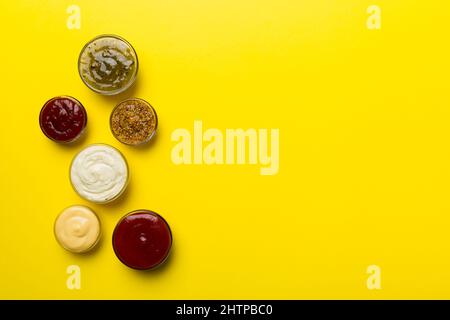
[70, 236]
[142, 240]
[63, 127]
[108, 64]
[95, 173]
[133, 121]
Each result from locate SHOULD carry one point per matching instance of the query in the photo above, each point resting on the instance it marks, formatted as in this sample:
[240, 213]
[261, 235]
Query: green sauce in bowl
[108, 64]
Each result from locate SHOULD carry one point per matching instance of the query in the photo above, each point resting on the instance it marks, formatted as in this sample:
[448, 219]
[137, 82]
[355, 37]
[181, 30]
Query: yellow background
[364, 148]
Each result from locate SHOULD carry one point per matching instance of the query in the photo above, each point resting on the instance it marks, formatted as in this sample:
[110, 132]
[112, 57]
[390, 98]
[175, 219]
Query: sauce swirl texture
[108, 65]
[99, 173]
[77, 229]
[63, 119]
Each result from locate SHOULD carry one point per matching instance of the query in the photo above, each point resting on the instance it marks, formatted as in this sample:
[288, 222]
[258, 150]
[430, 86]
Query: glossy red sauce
[142, 240]
[63, 119]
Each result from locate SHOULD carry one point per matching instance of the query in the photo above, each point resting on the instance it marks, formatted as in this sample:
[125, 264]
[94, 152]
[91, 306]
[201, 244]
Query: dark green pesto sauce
[108, 64]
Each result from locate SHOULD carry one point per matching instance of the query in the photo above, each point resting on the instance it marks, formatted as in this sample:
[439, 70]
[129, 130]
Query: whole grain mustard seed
[133, 121]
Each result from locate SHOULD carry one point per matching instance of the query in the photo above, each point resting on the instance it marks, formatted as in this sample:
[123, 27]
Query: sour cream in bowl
[99, 173]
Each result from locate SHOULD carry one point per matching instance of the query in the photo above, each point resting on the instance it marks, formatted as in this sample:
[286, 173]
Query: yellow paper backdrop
[364, 148]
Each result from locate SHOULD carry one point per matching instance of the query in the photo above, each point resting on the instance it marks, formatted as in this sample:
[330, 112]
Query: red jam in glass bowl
[142, 240]
[63, 119]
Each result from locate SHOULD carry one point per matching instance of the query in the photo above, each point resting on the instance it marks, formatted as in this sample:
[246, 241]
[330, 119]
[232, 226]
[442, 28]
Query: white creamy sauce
[99, 173]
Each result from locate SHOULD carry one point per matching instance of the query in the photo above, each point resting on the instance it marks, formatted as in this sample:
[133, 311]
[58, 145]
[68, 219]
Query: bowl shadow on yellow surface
[113, 100]
[77, 143]
[93, 251]
[158, 271]
[120, 202]
[145, 146]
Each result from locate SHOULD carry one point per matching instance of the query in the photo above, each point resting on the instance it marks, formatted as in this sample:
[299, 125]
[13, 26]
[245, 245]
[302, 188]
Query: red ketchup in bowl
[142, 240]
[63, 119]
